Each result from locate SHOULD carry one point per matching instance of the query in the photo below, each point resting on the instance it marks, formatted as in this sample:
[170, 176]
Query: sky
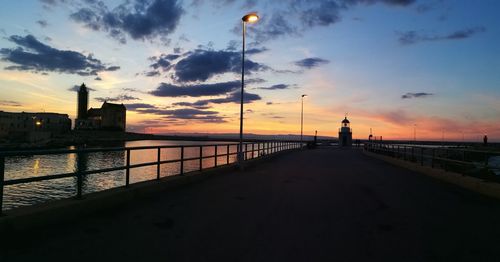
[401, 68]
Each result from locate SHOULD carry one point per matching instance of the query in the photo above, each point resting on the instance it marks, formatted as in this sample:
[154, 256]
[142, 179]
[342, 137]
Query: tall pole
[302, 121]
[240, 148]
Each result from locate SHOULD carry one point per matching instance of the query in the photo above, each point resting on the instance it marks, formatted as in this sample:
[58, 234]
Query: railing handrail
[268, 147]
[445, 158]
[32, 152]
[437, 147]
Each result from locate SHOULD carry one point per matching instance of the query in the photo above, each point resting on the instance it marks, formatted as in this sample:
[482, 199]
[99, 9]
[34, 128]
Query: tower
[83, 102]
[345, 133]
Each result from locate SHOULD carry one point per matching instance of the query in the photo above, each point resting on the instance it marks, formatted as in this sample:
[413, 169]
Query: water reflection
[31, 193]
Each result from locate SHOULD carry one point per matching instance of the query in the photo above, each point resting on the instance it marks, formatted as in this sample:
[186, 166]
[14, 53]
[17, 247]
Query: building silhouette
[109, 117]
[32, 127]
[345, 133]
[83, 102]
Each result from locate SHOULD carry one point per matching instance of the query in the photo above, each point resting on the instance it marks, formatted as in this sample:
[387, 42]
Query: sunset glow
[397, 67]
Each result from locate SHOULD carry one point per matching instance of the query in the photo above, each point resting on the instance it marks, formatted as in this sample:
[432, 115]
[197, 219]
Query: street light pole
[249, 18]
[302, 120]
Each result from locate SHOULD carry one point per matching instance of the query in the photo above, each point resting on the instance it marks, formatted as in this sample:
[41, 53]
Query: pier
[327, 204]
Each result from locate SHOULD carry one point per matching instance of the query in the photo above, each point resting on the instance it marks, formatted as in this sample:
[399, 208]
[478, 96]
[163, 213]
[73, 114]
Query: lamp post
[302, 120]
[248, 18]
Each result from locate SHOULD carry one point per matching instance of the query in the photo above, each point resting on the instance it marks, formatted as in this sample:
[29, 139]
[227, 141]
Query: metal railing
[460, 160]
[250, 150]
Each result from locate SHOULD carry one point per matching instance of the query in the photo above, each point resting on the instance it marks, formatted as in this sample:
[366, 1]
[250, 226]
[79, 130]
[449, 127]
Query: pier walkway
[326, 204]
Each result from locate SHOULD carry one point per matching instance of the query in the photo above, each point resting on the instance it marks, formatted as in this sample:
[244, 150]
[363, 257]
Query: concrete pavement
[314, 205]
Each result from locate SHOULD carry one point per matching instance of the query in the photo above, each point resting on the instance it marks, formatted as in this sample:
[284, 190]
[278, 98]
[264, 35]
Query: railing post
[421, 156]
[253, 148]
[127, 171]
[227, 156]
[246, 152]
[2, 177]
[215, 160]
[158, 166]
[412, 153]
[81, 164]
[433, 156]
[182, 161]
[258, 149]
[201, 158]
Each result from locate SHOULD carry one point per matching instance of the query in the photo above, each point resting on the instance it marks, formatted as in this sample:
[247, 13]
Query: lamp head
[250, 18]
[304, 95]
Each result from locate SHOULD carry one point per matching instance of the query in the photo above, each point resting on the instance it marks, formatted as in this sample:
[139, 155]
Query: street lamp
[302, 120]
[248, 18]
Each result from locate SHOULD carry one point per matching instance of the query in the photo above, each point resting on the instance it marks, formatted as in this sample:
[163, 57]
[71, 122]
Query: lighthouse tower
[345, 133]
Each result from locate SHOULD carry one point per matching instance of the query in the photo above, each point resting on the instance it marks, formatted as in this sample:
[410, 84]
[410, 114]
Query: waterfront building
[32, 127]
[345, 133]
[109, 117]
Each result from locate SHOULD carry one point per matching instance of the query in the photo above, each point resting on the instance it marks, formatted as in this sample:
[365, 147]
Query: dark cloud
[52, 2]
[116, 98]
[311, 62]
[152, 73]
[32, 55]
[98, 78]
[276, 26]
[163, 62]
[234, 97]
[370, 2]
[256, 50]
[42, 23]
[255, 81]
[323, 14]
[413, 37]
[138, 19]
[217, 89]
[201, 64]
[193, 105]
[127, 89]
[10, 103]
[294, 17]
[138, 106]
[178, 114]
[415, 95]
[276, 87]
[75, 88]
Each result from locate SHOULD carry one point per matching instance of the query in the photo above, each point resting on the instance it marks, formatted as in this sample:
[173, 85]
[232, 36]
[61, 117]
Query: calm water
[34, 166]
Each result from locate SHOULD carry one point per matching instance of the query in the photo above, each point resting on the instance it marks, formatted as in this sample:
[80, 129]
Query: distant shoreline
[76, 138]
[95, 138]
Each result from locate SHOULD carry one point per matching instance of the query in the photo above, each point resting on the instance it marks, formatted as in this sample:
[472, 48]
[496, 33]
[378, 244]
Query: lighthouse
[345, 133]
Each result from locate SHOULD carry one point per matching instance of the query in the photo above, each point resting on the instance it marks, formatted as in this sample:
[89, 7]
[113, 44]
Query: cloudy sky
[392, 65]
